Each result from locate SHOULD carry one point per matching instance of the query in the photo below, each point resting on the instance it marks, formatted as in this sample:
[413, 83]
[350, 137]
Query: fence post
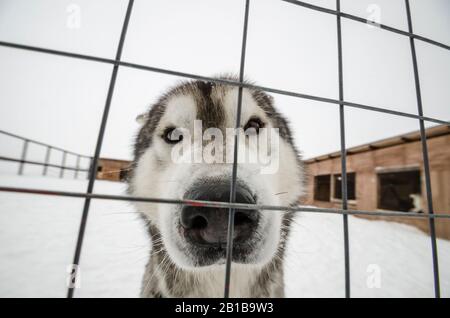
[23, 157]
[91, 162]
[233, 181]
[344, 195]
[77, 167]
[47, 158]
[63, 163]
[98, 147]
[426, 163]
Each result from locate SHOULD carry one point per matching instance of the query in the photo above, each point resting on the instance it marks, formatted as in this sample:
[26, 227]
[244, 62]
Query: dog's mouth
[205, 229]
[205, 253]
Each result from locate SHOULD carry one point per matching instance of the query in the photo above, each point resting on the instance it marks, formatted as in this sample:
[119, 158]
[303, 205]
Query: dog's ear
[142, 118]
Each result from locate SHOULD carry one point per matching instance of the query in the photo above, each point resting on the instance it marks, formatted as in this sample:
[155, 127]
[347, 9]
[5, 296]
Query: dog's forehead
[180, 110]
[215, 107]
[249, 108]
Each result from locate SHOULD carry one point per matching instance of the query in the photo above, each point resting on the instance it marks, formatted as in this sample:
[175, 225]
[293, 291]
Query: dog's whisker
[155, 241]
[153, 274]
[133, 246]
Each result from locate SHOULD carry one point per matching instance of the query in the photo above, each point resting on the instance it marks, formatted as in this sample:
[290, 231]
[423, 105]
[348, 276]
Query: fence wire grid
[49, 150]
[232, 205]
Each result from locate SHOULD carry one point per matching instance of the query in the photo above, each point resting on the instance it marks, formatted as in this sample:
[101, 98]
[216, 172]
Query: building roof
[115, 160]
[414, 136]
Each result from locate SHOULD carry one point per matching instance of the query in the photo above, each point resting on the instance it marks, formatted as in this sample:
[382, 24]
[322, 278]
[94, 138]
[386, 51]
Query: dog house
[387, 175]
[112, 169]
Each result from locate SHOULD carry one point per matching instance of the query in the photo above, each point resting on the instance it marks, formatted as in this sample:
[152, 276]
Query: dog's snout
[209, 226]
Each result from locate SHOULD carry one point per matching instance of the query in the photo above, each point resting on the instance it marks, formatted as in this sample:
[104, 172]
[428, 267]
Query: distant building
[387, 175]
[112, 169]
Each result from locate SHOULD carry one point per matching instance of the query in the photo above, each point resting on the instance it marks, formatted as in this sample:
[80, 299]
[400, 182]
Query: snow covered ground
[38, 234]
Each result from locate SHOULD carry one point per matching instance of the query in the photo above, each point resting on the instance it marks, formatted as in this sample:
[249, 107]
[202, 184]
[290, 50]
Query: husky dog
[189, 242]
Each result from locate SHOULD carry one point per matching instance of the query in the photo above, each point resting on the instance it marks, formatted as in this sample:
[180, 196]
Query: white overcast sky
[59, 100]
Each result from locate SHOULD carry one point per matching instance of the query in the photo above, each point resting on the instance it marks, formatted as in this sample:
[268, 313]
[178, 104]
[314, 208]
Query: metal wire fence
[232, 205]
[49, 150]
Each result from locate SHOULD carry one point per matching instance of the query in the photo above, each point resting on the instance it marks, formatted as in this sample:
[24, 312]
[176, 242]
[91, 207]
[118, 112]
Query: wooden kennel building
[387, 175]
[112, 169]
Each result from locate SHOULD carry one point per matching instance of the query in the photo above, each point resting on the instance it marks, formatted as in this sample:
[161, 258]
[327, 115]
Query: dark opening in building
[351, 183]
[123, 175]
[322, 187]
[400, 191]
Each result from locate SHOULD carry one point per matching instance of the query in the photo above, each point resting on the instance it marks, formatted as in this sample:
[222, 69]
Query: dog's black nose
[209, 226]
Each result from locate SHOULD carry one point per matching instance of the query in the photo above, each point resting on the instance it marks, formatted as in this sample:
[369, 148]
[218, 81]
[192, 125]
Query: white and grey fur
[174, 269]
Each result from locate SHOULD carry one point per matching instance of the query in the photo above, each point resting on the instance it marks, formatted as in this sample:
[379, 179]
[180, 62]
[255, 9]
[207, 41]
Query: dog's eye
[172, 135]
[253, 126]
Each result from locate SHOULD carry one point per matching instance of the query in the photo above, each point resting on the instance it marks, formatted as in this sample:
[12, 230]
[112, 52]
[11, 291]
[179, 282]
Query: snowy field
[38, 234]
